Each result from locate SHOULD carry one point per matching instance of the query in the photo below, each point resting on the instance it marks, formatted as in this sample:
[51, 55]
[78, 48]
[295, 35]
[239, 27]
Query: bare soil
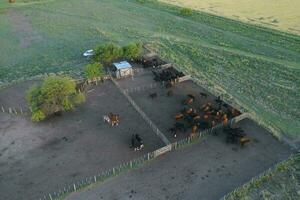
[37, 158]
[206, 170]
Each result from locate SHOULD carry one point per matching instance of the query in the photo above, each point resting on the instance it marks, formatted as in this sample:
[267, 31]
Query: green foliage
[107, 53]
[37, 116]
[54, 95]
[94, 70]
[132, 51]
[185, 11]
[111, 52]
[280, 181]
[206, 46]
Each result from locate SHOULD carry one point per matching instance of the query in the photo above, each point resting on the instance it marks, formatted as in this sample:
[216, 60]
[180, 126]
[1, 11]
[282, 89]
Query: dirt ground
[206, 170]
[39, 158]
[162, 109]
[14, 96]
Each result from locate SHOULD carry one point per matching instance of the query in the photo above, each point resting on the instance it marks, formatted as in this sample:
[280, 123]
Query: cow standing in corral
[111, 119]
[204, 95]
[153, 95]
[169, 93]
[136, 142]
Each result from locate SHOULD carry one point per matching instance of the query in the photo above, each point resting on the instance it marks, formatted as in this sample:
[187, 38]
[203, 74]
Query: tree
[132, 51]
[107, 53]
[94, 70]
[55, 94]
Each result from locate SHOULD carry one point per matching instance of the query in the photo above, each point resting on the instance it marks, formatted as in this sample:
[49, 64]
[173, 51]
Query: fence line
[252, 181]
[143, 88]
[144, 116]
[132, 164]
[14, 110]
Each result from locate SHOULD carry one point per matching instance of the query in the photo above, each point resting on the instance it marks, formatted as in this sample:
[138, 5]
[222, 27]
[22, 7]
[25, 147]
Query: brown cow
[178, 116]
[244, 140]
[189, 111]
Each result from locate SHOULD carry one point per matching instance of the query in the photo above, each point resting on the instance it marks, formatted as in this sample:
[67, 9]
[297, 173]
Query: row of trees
[110, 52]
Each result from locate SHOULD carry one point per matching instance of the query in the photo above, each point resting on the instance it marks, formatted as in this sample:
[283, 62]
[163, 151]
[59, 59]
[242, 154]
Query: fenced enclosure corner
[135, 163]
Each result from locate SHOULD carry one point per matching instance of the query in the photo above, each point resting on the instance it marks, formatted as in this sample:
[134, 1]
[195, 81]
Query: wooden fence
[126, 166]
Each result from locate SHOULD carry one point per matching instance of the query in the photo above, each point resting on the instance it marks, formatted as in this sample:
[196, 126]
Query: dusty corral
[40, 158]
[163, 108]
[207, 170]
[37, 158]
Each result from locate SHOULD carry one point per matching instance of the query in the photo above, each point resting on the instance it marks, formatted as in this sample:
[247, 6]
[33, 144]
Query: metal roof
[122, 65]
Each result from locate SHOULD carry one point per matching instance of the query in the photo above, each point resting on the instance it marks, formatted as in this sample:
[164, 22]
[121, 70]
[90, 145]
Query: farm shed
[122, 69]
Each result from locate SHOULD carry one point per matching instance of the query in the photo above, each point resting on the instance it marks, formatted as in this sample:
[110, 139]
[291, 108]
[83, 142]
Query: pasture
[228, 57]
[282, 15]
[206, 170]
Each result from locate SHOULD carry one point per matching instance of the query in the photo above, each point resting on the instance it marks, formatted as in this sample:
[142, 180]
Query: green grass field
[258, 67]
[282, 15]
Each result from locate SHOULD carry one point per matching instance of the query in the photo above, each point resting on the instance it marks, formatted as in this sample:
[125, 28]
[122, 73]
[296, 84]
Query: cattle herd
[194, 117]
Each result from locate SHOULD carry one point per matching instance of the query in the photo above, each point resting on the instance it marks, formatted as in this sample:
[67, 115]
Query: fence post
[50, 196]
[130, 164]
[148, 156]
[9, 110]
[113, 171]
[2, 109]
[74, 186]
[95, 179]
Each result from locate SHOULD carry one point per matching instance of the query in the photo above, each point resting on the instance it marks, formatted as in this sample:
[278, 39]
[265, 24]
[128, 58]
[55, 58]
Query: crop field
[258, 67]
[283, 15]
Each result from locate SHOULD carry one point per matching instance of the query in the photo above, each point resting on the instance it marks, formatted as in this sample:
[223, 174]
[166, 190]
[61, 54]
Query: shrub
[54, 95]
[94, 70]
[107, 53]
[132, 51]
[111, 52]
[185, 11]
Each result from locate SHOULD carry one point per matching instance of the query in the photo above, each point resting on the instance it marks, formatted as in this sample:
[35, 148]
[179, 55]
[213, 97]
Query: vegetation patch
[56, 94]
[280, 183]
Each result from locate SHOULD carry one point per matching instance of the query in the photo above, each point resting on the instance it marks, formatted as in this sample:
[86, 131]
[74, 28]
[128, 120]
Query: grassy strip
[280, 182]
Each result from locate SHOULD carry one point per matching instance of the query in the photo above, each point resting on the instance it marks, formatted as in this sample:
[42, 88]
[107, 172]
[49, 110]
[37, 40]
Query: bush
[111, 52]
[185, 11]
[94, 70]
[132, 51]
[54, 95]
[107, 53]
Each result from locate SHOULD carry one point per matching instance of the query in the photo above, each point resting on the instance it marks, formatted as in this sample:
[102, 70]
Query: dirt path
[207, 170]
[23, 28]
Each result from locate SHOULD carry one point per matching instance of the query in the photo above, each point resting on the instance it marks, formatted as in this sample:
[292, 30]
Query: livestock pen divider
[135, 163]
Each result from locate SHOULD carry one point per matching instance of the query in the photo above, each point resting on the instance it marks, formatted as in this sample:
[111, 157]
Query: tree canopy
[55, 94]
[110, 52]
